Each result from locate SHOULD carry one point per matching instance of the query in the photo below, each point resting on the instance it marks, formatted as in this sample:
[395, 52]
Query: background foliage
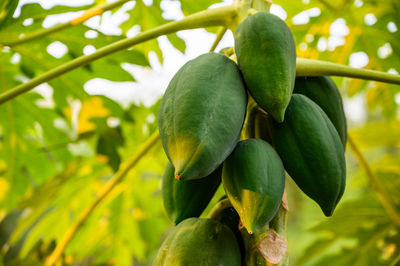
[58, 149]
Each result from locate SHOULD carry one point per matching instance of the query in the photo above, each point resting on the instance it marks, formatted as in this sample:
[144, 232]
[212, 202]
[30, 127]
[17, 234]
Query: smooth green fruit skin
[201, 115]
[266, 54]
[254, 179]
[184, 199]
[230, 218]
[324, 92]
[199, 242]
[311, 151]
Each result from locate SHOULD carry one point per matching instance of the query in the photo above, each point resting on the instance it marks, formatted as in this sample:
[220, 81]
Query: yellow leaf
[102, 158]
[91, 108]
[4, 186]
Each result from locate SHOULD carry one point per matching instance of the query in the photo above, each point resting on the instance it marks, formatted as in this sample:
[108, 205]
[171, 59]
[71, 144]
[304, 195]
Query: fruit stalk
[218, 208]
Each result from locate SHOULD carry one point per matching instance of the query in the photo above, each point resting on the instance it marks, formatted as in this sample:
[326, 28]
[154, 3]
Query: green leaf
[177, 42]
[108, 144]
[189, 7]
[7, 8]
[8, 225]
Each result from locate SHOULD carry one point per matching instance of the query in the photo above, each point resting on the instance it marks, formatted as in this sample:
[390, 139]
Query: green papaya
[198, 241]
[230, 218]
[311, 151]
[323, 91]
[254, 179]
[266, 54]
[184, 199]
[201, 115]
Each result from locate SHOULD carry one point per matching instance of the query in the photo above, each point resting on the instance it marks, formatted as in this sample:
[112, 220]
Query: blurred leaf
[14, 27]
[190, 7]
[7, 226]
[177, 42]
[108, 144]
[7, 8]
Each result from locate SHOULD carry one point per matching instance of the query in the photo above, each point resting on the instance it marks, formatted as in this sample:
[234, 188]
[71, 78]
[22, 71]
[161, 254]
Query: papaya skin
[324, 92]
[201, 115]
[198, 241]
[254, 179]
[266, 54]
[311, 151]
[184, 199]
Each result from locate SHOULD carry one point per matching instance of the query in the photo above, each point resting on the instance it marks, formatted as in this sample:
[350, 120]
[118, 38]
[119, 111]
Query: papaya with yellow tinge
[198, 241]
[254, 179]
[266, 54]
[184, 199]
[311, 151]
[201, 115]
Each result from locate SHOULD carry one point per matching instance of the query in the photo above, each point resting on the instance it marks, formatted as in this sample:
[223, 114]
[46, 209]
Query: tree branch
[85, 16]
[210, 17]
[380, 190]
[108, 187]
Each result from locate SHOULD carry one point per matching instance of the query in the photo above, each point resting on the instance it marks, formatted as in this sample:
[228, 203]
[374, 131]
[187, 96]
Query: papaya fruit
[266, 54]
[201, 115]
[311, 151]
[323, 91]
[254, 179]
[184, 199]
[198, 241]
[230, 218]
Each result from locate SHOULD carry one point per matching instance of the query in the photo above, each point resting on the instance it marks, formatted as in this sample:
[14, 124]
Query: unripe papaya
[254, 179]
[184, 199]
[199, 242]
[201, 115]
[229, 217]
[311, 151]
[266, 54]
[323, 91]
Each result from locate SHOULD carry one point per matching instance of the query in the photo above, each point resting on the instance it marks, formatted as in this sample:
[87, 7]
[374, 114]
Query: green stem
[308, 67]
[210, 17]
[248, 125]
[221, 32]
[118, 177]
[261, 5]
[85, 16]
[380, 190]
[218, 208]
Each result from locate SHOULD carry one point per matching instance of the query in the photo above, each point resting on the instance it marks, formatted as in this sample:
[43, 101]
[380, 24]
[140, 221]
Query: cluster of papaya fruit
[201, 117]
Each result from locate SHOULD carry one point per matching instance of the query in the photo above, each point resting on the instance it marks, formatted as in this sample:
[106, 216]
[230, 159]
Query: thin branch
[108, 187]
[308, 67]
[380, 190]
[220, 34]
[97, 10]
[210, 17]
